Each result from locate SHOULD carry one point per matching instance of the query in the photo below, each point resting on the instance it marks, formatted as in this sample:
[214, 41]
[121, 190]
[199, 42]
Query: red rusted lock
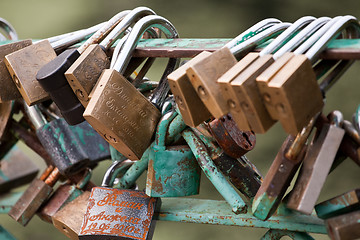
[118, 214]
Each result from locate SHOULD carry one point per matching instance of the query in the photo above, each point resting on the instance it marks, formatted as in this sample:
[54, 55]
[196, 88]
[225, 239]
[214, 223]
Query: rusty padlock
[173, 170]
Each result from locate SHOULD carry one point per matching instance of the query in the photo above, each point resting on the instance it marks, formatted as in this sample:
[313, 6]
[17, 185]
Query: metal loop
[9, 30]
[116, 168]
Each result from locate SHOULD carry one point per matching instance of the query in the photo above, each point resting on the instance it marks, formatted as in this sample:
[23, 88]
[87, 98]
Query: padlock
[280, 174]
[59, 141]
[344, 203]
[316, 165]
[64, 194]
[231, 139]
[173, 170]
[24, 64]
[36, 194]
[51, 75]
[68, 219]
[86, 70]
[118, 213]
[344, 227]
[295, 93]
[6, 110]
[16, 169]
[115, 100]
[239, 87]
[190, 105]
[239, 171]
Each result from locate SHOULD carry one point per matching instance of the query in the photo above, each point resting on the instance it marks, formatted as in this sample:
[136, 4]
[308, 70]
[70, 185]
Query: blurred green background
[193, 19]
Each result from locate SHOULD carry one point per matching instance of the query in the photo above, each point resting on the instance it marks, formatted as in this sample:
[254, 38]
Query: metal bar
[219, 213]
[183, 48]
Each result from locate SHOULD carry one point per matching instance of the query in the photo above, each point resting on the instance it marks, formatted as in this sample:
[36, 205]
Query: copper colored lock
[233, 141]
[191, 107]
[343, 227]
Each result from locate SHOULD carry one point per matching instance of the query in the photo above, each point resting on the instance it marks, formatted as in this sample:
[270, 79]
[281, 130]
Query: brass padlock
[9, 90]
[240, 87]
[24, 64]
[191, 107]
[295, 92]
[117, 111]
[86, 70]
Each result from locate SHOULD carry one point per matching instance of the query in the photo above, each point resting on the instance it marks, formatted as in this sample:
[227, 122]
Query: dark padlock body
[118, 214]
[240, 174]
[25, 208]
[16, 169]
[51, 78]
[232, 140]
[63, 147]
[94, 145]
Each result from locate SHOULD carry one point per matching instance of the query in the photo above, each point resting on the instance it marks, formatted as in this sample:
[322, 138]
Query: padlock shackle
[114, 170]
[301, 37]
[336, 118]
[162, 128]
[72, 38]
[344, 22]
[287, 34]
[315, 37]
[103, 31]
[260, 38]
[128, 20]
[134, 37]
[35, 116]
[351, 131]
[356, 119]
[9, 30]
[255, 29]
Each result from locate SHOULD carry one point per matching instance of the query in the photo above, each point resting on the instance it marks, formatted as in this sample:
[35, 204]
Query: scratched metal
[341, 204]
[119, 214]
[216, 212]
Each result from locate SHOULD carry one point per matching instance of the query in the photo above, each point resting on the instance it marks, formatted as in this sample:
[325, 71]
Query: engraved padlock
[51, 75]
[24, 64]
[117, 111]
[118, 214]
[173, 170]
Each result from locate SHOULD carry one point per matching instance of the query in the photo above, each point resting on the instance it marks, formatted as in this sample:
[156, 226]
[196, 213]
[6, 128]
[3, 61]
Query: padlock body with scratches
[85, 71]
[23, 66]
[118, 214]
[122, 115]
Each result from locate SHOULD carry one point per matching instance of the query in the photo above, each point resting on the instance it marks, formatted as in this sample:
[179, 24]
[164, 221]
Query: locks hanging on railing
[117, 111]
[132, 209]
[173, 170]
[24, 64]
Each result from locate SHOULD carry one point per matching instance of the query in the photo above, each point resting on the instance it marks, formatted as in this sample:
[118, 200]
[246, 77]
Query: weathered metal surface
[273, 234]
[173, 170]
[16, 169]
[276, 182]
[232, 140]
[343, 227]
[5, 235]
[132, 211]
[219, 213]
[36, 194]
[341, 204]
[213, 174]
[181, 48]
